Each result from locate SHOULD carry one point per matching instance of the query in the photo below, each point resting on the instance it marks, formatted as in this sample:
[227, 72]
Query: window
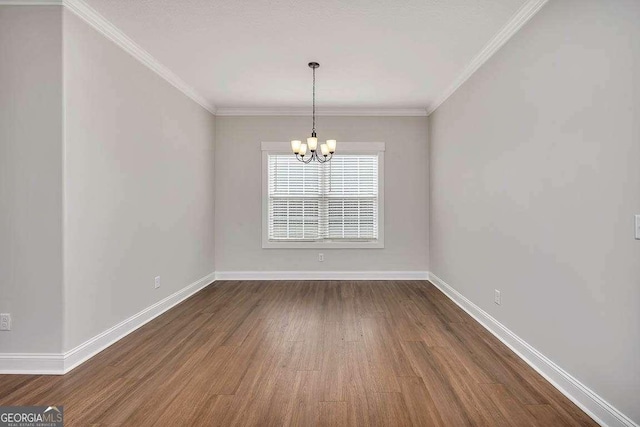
[334, 204]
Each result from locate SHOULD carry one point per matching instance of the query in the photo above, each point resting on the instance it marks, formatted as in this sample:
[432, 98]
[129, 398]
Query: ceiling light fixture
[300, 148]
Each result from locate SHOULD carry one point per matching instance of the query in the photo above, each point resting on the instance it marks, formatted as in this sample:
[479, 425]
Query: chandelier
[300, 149]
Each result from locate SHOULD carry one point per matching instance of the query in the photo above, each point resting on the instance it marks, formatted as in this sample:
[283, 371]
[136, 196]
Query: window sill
[378, 244]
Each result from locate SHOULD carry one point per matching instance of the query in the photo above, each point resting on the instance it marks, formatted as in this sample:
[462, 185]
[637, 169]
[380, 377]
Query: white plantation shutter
[294, 196]
[334, 201]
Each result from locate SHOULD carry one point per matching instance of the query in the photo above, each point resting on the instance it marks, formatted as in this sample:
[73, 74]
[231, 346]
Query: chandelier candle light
[300, 149]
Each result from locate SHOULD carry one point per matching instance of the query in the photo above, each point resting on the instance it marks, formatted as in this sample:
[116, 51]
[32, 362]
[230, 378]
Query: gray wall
[31, 178]
[239, 191]
[139, 185]
[534, 184]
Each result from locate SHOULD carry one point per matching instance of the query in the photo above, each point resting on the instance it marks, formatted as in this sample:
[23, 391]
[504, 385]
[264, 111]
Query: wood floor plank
[14, 383]
[351, 320]
[496, 363]
[511, 409]
[568, 411]
[32, 392]
[477, 405]
[304, 353]
[397, 357]
[228, 364]
[212, 412]
[334, 374]
[384, 351]
[333, 414]
[265, 390]
[372, 363]
[545, 415]
[304, 407]
[387, 409]
[421, 408]
[449, 405]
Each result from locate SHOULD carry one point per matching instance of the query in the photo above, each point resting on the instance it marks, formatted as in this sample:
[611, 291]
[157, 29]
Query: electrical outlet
[321, 257]
[637, 227]
[497, 298]
[157, 282]
[5, 322]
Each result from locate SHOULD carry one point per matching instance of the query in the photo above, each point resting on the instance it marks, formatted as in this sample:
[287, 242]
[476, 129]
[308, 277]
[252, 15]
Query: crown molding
[522, 16]
[110, 31]
[365, 112]
[101, 24]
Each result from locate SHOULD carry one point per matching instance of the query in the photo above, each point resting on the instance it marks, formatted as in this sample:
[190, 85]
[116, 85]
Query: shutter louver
[337, 200]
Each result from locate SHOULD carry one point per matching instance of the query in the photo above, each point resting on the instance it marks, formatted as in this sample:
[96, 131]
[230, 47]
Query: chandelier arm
[302, 159]
[326, 158]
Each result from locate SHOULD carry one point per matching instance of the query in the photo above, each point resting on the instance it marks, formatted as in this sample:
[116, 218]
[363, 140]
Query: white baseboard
[90, 348]
[58, 364]
[322, 275]
[32, 363]
[597, 408]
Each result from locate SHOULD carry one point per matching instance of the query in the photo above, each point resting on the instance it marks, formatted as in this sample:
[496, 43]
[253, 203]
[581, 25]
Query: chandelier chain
[314, 100]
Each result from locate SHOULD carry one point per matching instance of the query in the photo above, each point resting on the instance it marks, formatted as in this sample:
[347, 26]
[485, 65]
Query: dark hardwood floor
[304, 353]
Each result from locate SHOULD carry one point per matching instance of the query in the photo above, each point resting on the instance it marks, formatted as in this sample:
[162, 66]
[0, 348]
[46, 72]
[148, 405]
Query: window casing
[338, 204]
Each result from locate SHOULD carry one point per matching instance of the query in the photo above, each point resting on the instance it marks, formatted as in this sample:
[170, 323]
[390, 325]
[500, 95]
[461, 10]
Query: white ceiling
[254, 53]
